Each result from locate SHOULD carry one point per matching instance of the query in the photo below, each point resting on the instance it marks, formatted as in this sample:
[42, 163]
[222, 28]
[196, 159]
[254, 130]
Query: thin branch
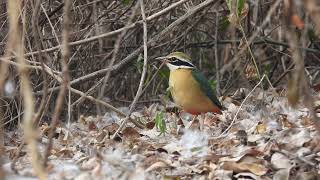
[216, 56]
[223, 134]
[115, 51]
[26, 91]
[112, 33]
[144, 70]
[253, 36]
[65, 76]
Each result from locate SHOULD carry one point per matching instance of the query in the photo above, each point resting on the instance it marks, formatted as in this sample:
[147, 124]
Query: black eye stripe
[178, 62]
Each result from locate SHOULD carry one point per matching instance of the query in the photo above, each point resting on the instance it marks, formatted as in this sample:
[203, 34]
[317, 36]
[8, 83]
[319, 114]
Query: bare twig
[65, 76]
[216, 56]
[235, 116]
[152, 42]
[107, 105]
[299, 86]
[252, 37]
[115, 51]
[144, 70]
[16, 39]
[112, 33]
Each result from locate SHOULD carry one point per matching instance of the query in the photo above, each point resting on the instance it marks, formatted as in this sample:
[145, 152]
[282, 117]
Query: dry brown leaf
[130, 133]
[65, 152]
[282, 174]
[256, 169]
[92, 126]
[157, 165]
[251, 72]
[111, 128]
[91, 163]
[280, 161]
[150, 125]
[294, 137]
[101, 135]
[312, 175]
[306, 121]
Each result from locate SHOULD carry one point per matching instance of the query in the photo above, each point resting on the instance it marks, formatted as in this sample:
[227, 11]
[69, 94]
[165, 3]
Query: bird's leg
[201, 121]
[193, 124]
[194, 118]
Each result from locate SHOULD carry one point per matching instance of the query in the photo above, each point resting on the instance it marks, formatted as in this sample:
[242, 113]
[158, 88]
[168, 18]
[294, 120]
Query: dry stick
[3, 76]
[253, 36]
[300, 85]
[216, 56]
[116, 50]
[152, 78]
[41, 108]
[283, 74]
[38, 39]
[124, 61]
[112, 33]
[144, 70]
[235, 116]
[87, 93]
[26, 90]
[65, 76]
[250, 51]
[91, 90]
[107, 105]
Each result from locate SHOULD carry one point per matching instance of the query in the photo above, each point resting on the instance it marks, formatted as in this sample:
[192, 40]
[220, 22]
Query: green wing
[205, 86]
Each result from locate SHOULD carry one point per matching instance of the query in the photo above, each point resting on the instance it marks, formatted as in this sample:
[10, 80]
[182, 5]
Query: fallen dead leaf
[280, 161]
[111, 128]
[294, 137]
[282, 174]
[256, 169]
[157, 165]
[130, 133]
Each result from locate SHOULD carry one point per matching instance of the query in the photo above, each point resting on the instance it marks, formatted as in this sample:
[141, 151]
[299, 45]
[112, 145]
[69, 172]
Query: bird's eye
[173, 59]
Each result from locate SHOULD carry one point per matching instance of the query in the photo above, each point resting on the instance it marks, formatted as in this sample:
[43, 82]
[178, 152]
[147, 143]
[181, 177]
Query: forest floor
[268, 139]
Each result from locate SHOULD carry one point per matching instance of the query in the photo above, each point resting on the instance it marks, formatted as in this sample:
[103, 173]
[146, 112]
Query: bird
[189, 88]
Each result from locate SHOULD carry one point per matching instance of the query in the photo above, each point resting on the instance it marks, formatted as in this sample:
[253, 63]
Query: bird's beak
[163, 59]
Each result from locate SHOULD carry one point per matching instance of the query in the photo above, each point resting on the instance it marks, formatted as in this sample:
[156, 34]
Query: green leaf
[160, 123]
[126, 2]
[213, 83]
[240, 5]
[164, 73]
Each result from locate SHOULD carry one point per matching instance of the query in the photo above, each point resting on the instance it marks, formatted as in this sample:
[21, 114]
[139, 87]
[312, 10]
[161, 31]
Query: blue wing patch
[205, 86]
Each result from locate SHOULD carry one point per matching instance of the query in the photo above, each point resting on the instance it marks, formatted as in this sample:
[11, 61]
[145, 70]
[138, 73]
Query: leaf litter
[268, 140]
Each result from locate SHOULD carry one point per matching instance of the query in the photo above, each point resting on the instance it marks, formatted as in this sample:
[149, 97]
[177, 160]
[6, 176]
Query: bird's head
[177, 60]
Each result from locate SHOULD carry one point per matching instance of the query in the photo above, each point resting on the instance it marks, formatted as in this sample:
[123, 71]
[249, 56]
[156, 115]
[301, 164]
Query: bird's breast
[186, 92]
